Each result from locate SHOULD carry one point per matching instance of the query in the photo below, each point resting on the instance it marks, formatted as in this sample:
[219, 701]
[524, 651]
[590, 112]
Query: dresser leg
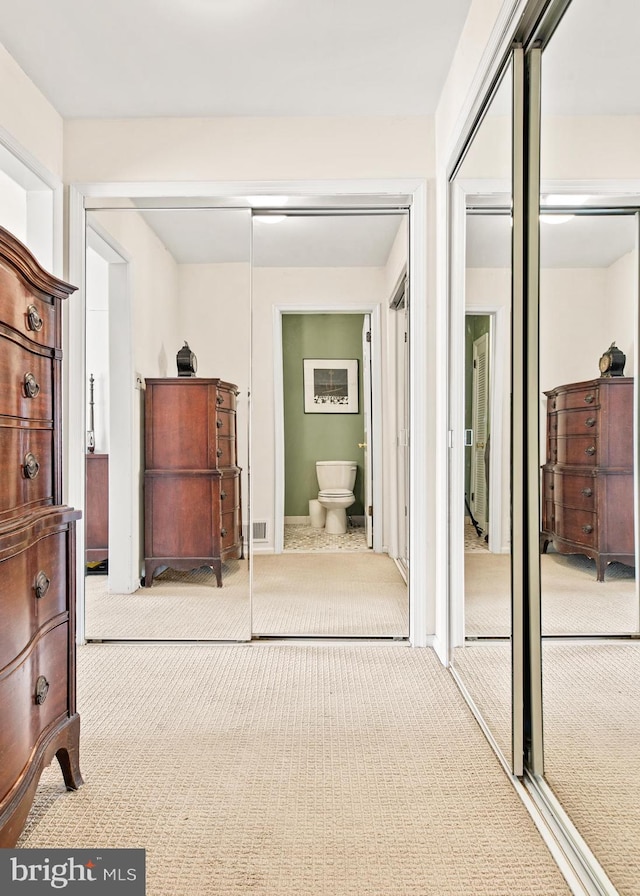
[69, 756]
[217, 569]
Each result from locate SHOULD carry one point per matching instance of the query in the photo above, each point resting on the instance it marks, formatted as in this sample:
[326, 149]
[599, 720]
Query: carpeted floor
[591, 737]
[314, 770]
[322, 594]
[573, 602]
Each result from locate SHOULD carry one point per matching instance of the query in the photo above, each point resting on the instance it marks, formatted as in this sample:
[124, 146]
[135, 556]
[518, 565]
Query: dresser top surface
[597, 382]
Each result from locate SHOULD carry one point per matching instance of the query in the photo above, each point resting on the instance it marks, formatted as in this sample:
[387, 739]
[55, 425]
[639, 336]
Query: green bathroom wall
[312, 437]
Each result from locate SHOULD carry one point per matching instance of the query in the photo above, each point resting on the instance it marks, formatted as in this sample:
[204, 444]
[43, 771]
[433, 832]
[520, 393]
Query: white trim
[345, 194]
[278, 399]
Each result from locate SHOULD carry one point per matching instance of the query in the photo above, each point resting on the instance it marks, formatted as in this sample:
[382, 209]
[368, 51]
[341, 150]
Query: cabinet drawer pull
[42, 689]
[31, 466]
[223, 532]
[591, 450]
[31, 387]
[551, 487]
[588, 529]
[587, 492]
[589, 398]
[223, 495]
[219, 423]
[34, 321]
[219, 452]
[42, 584]
[219, 399]
[590, 421]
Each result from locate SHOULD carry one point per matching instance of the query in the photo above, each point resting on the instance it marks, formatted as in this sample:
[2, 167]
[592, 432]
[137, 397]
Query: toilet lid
[335, 492]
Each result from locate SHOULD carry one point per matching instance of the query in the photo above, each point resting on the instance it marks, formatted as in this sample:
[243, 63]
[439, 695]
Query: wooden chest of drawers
[587, 480]
[192, 481]
[38, 718]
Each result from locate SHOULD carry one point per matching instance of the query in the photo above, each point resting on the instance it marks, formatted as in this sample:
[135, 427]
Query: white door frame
[342, 194]
[376, 401]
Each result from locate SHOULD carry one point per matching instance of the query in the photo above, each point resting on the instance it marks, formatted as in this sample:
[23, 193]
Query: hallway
[291, 768]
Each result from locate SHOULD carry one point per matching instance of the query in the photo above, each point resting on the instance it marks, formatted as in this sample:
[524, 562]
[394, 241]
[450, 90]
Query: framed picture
[330, 386]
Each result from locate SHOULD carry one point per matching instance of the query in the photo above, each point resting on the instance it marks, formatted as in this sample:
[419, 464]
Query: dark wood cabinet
[38, 717]
[96, 524]
[587, 480]
[192, 481]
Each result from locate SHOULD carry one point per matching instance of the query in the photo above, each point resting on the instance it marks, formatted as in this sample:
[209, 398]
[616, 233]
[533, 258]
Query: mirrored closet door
[167, 446]
[588, 375]
[329, 425]
[481, 309]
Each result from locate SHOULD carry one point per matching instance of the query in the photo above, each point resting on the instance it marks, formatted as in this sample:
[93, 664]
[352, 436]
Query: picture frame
[330, 386]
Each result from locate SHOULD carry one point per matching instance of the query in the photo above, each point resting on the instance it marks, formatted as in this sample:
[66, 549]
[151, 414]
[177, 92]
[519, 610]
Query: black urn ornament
[612, 361]
[187, 362]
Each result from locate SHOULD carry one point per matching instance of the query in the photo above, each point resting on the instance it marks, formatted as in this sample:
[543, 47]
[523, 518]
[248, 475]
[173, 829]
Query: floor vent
[259, 530]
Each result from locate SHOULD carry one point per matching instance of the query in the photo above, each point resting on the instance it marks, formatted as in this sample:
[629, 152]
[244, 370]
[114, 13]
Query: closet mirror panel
[481, 305]
[329, 425]
[167, 447]
[588, 364]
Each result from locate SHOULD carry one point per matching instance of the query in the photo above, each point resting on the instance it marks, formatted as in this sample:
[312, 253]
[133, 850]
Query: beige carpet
[291, 770]
[591, 738]
[573, 602]
[321, 594]
[345, 595]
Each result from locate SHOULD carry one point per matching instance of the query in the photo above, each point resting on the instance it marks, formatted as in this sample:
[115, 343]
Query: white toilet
[336, 479]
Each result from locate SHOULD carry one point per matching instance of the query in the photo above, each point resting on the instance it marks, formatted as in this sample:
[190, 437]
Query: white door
[366, 401]
[480, 417]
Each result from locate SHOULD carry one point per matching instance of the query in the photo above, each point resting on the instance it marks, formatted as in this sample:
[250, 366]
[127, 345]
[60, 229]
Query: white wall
[13, 207]
[245, 148]
[28, 117]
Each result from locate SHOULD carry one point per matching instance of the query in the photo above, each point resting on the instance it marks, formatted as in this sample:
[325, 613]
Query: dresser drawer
[229, 533]
[578, 450]
[587, 397]
[577, 526]
[577, 422]
[225, 453]
[229, 493]
[23, 449]
[575, 491]
[226, 398]
[225, 424]
[24, 719]
[26, 383]
[25, 312]
[34, 591]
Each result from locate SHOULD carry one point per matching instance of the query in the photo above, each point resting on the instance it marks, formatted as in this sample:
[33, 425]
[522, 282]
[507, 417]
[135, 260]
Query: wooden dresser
[587, 480]
[38, 718]
[192, 481]
[96, 524]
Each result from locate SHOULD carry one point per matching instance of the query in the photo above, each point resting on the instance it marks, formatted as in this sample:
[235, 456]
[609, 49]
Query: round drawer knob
[31, 467]
[219, 452]
[590, 421]
[223, 495]
[588, 529]
[31, 387]
[42, 584]
[219, 423]
[223, 532]
[587, 492]
[591, 450]
[34, 321]
[219, 399]
[42, 689]
[589, 398]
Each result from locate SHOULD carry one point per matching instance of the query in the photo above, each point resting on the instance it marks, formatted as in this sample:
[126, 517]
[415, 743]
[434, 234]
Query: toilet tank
[336, 474]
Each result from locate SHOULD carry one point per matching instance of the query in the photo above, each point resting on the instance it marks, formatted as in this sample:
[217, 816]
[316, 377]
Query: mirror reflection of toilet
[336, 479]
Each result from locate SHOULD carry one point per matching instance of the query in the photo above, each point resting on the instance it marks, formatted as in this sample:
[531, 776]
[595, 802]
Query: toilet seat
[335, 493]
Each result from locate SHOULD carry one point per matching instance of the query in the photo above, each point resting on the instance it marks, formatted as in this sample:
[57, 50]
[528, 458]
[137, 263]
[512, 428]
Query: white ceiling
[210, 236]
[585, 241]
[139, 58]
